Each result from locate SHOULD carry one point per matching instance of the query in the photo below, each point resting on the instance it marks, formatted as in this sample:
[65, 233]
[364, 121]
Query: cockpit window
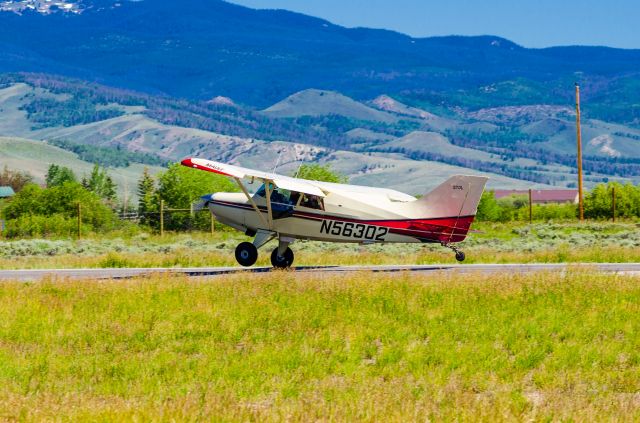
[312, 202]
[278, 195]
[283, 196]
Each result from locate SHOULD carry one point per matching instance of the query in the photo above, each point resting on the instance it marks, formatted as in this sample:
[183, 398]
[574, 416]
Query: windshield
[278, 195]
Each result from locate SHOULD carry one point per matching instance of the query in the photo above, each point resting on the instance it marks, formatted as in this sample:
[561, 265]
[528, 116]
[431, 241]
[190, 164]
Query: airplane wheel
[246, 254]
[460, 256]
[282, 262]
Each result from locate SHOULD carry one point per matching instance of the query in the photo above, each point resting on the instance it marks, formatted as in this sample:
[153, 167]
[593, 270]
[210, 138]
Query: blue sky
[531, 23]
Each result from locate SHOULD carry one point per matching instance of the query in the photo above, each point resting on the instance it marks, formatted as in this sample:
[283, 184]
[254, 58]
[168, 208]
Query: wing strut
[255, 206]
[267, 188]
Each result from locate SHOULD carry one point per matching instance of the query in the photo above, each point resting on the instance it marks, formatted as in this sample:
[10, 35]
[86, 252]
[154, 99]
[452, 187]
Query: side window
[312, 202]
[262, 192]
[280, 196]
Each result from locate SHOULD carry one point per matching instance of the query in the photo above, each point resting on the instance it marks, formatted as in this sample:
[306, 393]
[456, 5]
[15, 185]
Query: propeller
[203, 203]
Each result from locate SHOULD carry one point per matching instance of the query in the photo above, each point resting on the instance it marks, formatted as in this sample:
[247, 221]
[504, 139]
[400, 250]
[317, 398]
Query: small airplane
[290, 208]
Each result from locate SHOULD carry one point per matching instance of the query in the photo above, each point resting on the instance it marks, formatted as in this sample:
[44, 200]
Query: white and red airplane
[291, 208]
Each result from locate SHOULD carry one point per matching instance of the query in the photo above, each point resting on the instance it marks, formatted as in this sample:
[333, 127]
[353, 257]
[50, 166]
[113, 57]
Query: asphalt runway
[120, 273]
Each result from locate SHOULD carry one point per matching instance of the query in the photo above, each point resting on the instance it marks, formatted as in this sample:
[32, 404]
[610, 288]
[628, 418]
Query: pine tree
[51, 174]
[146, 196]
[109, 189]
[100, 183]
[58, 175]
[96, 180]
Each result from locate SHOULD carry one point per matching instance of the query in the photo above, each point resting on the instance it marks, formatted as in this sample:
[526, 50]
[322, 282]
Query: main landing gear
[282, 260]
[281, 257]
[459, 254]
[246, 254]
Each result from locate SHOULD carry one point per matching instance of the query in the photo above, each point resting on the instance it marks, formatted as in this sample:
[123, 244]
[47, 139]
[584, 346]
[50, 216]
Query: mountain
[150, 81]
[134, 129]
[200, 49]
[324, 103]
[515, 146]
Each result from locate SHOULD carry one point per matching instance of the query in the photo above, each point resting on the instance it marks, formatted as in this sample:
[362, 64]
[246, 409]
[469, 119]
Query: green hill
[36, 156]
[321, 103]
[518, 147]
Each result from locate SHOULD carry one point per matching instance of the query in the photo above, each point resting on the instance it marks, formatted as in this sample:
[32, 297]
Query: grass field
[285, 346]
[496, 243]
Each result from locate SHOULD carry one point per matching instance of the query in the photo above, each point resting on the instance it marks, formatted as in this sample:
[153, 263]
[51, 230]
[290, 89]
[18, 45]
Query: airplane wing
[281, 181]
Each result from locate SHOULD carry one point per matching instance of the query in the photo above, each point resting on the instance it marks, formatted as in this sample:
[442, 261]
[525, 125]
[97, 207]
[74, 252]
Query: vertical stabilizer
[458, 196]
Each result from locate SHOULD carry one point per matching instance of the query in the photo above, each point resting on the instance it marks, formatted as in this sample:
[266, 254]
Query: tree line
[110, 157]
[52, 210]
[598, 204]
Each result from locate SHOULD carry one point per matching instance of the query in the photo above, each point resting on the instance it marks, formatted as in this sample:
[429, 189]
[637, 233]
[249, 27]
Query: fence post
[79, 220]
[613, 203]
[161, 217]
[530, 206]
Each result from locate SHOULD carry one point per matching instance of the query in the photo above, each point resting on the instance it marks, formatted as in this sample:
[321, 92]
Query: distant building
[542, 196]
[6, 192]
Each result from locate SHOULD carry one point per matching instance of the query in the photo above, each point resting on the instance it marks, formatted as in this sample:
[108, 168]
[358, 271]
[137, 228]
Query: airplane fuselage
[289, 208]
[342, 220]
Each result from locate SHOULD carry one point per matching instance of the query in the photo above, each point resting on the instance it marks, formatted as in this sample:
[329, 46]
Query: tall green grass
[285, 346]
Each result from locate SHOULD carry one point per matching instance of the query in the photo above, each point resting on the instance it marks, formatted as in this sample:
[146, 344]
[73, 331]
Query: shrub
[53, 211]
[42, 226]
[598, 202]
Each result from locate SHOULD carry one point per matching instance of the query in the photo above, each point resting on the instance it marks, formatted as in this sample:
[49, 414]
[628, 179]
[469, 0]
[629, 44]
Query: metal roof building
[542, 196]
[6, 192]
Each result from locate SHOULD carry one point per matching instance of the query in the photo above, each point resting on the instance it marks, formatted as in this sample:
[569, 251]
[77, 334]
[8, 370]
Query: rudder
[457, 196]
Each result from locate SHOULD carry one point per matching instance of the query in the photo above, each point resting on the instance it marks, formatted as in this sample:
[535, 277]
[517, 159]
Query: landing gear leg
[282, 257]
[459, 254]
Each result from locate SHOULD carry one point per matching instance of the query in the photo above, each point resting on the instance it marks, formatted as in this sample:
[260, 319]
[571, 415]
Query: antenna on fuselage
[299, 167]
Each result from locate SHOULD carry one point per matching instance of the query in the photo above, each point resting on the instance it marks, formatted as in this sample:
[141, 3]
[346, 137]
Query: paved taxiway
[31, 275]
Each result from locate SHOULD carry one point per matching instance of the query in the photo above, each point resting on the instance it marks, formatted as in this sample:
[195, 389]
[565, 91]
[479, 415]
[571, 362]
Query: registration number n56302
[354, 230]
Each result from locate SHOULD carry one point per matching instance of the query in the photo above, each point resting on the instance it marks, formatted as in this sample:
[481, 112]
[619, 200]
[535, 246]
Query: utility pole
[530, 206]
[125, 202]
[579, 139]
[161, 217]
[79, 220]
[613, 203]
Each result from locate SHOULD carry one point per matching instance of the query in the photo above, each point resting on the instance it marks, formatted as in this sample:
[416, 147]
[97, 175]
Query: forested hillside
[202, 49]
[150, 82]
[116, 127]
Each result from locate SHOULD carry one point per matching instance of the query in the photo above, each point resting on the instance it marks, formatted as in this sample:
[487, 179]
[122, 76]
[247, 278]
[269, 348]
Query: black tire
[460, 256]
[246, 254]
[282, 262]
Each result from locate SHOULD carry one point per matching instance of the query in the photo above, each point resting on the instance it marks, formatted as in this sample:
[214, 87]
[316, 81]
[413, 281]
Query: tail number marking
[353, 230]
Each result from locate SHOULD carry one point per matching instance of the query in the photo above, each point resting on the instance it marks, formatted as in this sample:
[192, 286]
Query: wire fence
[174, 219]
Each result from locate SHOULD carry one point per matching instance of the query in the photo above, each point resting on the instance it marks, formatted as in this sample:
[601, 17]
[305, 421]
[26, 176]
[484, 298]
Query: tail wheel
[460, 256]
[282, 262]
[246, 254]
